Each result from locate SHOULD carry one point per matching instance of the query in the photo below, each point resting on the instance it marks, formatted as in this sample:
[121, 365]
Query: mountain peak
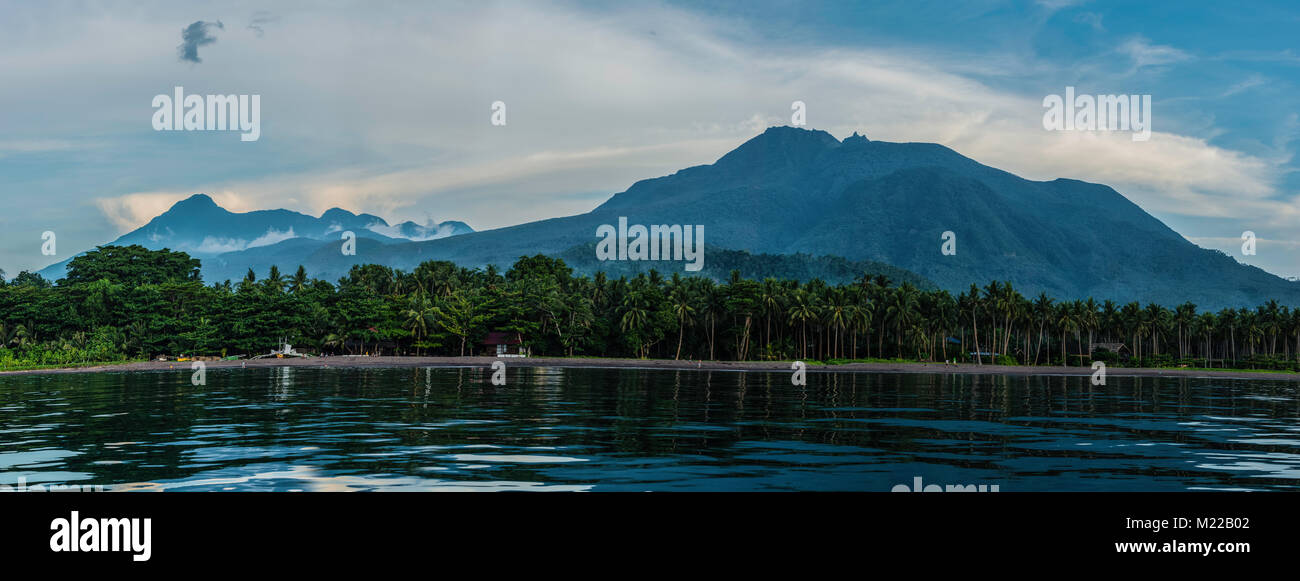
[780, 147]
[788, 132]
[195, 202]
[337, 213]
[855, 138]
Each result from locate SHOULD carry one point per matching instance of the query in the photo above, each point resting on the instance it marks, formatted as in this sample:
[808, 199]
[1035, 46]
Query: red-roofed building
[503, 344]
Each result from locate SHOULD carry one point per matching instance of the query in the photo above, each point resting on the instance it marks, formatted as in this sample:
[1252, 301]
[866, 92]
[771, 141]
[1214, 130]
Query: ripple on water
[622, 429]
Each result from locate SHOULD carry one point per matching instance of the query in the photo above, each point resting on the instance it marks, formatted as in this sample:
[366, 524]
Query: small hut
[503, 344]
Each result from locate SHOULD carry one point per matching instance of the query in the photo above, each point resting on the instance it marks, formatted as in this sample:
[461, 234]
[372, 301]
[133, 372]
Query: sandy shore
[393, 361]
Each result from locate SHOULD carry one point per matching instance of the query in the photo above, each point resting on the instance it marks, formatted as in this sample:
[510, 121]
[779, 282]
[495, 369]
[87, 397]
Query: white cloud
[220, 244]
[272, 236]
[1145, 54]
[428, 231]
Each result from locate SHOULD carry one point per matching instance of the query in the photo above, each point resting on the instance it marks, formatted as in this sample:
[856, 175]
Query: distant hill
[198, 226]
[804, 194]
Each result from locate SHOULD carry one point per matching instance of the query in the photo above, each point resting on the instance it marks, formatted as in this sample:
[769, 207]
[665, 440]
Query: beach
[360, 362]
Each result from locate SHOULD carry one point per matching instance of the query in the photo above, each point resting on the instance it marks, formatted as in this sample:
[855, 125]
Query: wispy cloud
[219, 245]
[1055, 5]
[259, 20]
[1146, 54]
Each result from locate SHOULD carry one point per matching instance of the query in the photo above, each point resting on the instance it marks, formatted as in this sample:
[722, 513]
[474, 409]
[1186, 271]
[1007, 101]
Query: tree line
[120, 302]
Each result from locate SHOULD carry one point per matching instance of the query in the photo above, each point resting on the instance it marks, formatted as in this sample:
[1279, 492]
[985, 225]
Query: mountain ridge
[794, 191]
[199, 226]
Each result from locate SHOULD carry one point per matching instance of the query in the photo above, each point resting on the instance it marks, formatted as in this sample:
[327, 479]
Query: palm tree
[1206, 324]
[299, 280]
[802, 310]
[1157, 318]
[683, 310]
[860, 314]
[1088, 319]
[1184, 315]
[837, 318]
[770, 299]
[1043, 310]
[274, 280]
[635, 320]
[715, 306]
[1271, 322]
[1066, 320]
[1253, 330]
[944, 312]
[969, 303]
[901, 310]
[1109, 320]
[1228, 320]
[417, 314]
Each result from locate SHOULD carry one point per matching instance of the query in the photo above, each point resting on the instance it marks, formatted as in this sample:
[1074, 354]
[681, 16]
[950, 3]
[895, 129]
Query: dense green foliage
[721, 262]
[122, 302]
[134, 264]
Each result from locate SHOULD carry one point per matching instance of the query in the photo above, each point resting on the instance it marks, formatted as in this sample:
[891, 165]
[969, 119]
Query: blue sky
[383, 107]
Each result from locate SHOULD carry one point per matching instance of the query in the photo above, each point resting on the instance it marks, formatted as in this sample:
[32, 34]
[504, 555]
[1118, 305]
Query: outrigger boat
[286, 350]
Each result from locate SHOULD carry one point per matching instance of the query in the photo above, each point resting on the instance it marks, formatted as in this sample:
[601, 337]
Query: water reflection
[594, 429]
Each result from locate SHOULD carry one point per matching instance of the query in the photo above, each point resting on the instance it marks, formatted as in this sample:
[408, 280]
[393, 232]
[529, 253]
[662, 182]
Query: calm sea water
[606, 429]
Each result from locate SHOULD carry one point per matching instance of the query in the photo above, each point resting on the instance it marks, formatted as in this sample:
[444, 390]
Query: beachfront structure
[502, 344]
[1112, 347]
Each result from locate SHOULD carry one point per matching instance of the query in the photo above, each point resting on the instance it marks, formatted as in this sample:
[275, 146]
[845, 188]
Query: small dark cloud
[260, 19]
[194, 36]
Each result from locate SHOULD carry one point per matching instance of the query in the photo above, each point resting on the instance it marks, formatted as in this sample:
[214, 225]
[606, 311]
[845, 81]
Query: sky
[385, 107]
